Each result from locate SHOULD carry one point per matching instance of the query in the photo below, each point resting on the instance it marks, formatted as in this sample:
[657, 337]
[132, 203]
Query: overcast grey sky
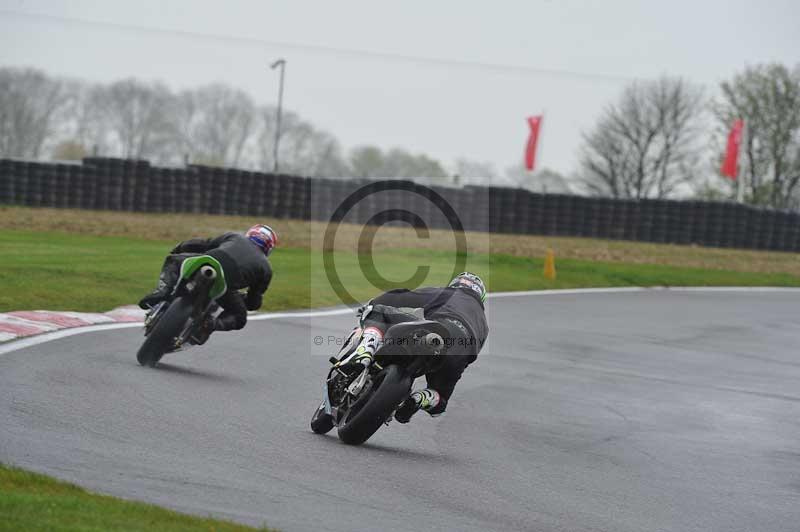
[448, 78]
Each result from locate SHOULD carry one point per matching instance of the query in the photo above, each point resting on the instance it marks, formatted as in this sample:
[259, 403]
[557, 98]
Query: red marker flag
[535, 122]
[730, 164]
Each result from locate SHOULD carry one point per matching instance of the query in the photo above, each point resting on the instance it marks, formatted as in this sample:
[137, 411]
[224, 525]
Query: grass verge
[306, 234]
[29, 501]
[96, 273]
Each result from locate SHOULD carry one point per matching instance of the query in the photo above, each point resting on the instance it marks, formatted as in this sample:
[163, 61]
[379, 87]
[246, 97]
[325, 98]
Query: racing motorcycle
[178, 321]
[358, 400]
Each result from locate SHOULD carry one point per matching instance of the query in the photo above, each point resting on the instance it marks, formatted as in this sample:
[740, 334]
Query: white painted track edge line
[624, 289]
[305, 314]
[22, 343]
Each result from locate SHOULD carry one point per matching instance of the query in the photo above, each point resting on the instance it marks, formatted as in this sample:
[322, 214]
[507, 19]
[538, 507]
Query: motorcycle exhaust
[435, 342]
[208, 272]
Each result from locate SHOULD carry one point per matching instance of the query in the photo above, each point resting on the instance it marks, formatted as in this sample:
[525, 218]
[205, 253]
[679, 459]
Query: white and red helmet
[264, 237]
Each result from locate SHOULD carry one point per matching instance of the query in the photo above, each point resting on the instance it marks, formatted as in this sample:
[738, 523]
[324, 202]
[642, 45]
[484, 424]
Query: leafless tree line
[31, 106]
[653, 141]
[44, 117]
[647, 144]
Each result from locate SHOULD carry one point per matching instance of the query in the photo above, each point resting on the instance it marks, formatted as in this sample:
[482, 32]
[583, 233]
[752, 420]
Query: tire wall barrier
[132, 185]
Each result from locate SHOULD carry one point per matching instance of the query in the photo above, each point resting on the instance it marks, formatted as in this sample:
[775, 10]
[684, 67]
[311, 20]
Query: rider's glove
[363, 311]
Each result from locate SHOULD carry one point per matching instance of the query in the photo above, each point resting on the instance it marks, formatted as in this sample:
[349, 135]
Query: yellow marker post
[550, 265]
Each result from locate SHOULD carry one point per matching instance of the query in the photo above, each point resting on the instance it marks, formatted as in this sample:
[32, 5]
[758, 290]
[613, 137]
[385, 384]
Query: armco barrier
[133, 185]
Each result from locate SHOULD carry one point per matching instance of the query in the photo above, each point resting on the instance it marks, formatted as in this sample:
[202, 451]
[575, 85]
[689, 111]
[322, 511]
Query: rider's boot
[153, 298]
[203, 332]
[353, 339]
[169, 274]
[224, 322]
[371, 340]
[426, 399]
[229, 321]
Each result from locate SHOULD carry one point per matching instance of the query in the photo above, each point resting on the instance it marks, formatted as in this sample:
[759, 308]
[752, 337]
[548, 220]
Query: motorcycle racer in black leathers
[244, 261]
[458, 307]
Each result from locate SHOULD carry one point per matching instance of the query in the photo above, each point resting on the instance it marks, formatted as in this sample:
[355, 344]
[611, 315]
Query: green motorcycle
[178, 321]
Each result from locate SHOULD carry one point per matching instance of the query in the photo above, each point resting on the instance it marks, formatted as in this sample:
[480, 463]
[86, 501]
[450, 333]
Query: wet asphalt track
[612, 411]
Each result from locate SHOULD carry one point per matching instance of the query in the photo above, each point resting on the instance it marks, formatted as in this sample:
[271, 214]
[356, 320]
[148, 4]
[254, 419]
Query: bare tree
[606, 162]
[679, 107]
[767, 97]
[647, 144]
[315, 154]
[30, 108]
[83, 129]
[308, 151]
[214, 124]
[138, 117]
[303, 149]
[184, 121]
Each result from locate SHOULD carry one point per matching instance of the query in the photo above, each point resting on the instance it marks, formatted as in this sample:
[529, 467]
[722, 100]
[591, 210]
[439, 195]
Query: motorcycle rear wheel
[161, 339]
[361, 425]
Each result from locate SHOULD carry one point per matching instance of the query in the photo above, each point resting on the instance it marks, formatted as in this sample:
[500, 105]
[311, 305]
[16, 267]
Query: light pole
[279, 63]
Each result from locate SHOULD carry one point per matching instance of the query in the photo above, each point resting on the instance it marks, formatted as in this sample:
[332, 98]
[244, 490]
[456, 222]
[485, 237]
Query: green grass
[29, 501]
[96, 273]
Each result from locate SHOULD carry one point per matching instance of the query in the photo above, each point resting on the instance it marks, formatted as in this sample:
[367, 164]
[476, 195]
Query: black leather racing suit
[459, 310]
[244, 264]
